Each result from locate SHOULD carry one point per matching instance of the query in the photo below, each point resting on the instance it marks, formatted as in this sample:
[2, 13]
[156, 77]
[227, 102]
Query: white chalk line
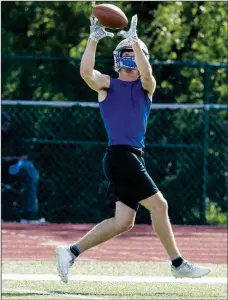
[78, 296]
[98, 278]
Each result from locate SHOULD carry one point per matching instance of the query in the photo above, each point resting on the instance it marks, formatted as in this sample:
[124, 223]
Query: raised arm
[94, 78]
[145, 69]
[142, 62]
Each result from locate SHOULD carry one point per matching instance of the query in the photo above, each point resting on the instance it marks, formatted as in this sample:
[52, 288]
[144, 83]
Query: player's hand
[131, 34]
[97, 31]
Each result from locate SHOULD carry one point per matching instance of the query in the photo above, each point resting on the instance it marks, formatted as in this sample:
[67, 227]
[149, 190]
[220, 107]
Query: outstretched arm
[94, 78]
[145, 69]
[142, 62]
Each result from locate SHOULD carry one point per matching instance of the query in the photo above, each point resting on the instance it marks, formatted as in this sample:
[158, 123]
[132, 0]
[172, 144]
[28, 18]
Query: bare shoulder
[97, 81]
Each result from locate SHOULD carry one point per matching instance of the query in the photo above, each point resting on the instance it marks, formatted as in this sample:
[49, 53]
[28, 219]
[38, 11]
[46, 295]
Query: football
[110, 16]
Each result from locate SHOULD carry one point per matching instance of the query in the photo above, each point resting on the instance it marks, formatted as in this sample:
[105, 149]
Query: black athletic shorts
[124, 167]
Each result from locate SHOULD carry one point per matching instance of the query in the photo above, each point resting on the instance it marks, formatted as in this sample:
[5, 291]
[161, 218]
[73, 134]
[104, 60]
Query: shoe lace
[189, 265]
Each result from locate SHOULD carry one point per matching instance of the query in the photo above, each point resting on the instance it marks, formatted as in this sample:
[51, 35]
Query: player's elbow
[84, 72]
[153, 81]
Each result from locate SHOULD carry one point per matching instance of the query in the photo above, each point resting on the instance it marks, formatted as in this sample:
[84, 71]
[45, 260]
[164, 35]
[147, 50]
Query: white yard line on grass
[98, 278]
[81, 297]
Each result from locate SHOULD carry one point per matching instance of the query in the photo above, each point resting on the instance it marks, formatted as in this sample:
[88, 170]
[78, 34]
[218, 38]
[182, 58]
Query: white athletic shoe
[64, 260]
[189, 270]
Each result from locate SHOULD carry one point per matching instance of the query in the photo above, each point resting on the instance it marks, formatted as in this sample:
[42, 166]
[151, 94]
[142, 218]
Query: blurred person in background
[16, 167]
[125, 105]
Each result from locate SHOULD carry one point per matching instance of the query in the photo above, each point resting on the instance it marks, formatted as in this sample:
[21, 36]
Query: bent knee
[125, 225]
[156, 203]
[162, 205]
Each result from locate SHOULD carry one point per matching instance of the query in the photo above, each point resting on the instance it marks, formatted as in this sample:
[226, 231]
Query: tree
[194, 31]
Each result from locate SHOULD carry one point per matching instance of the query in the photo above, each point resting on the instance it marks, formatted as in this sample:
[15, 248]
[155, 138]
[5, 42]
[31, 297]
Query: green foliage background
[183, 31]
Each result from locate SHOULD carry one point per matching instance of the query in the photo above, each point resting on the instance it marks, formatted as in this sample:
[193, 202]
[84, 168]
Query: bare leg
[158, 208]
[123, 221]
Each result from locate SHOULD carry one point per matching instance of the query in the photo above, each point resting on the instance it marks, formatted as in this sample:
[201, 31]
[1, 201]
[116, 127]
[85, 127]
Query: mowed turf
[107, 290]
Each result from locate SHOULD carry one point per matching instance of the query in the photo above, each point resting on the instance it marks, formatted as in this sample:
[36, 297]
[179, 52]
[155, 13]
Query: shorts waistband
[137, 151]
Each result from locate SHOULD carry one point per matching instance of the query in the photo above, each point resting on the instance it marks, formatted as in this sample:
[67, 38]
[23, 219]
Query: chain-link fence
[186, 154]
[58, 79]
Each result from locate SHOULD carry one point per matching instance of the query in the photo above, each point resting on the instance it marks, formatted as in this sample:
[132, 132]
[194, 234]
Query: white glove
[131, 34]
[97, 31]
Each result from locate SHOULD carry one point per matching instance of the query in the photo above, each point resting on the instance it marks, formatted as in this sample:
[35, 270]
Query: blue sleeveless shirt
[125, 112]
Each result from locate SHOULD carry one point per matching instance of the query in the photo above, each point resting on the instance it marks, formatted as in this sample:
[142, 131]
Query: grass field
[94, 290]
